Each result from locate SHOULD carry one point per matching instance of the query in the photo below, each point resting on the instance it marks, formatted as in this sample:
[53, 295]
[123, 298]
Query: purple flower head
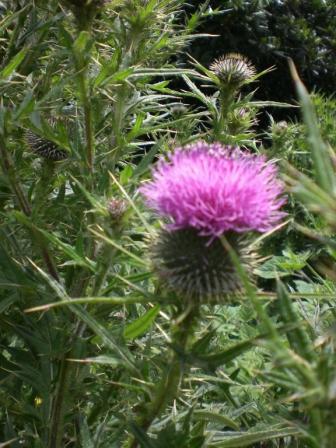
[215, 189]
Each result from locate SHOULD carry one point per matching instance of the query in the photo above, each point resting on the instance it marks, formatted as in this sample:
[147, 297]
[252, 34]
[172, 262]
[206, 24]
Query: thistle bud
[178, 110]
[233, 69]
[280, 128]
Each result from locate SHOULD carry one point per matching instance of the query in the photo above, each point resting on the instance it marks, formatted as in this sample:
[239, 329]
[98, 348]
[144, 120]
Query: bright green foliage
[94, 351]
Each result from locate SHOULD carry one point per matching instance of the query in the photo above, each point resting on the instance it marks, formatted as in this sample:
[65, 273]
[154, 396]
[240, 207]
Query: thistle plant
[122, 329]
[60, 207]
[207, 191]
[232, 112]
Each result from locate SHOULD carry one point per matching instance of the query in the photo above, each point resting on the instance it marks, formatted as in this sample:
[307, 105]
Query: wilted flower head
[117, 208]
[233, 69]
[215, 189]
[44, 148]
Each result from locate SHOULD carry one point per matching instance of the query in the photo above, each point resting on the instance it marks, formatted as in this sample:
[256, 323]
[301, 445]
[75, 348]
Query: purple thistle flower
[215, 189]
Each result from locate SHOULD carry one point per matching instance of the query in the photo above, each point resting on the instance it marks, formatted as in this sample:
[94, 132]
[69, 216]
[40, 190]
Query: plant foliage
[94, 352]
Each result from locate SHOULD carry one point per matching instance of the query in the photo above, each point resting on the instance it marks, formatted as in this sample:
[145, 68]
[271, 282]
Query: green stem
[331, 427]
[8, 169]
[80, 283]
[43, 187]
[168, 388]
[226, 98]
[88, 119]
[58, 408]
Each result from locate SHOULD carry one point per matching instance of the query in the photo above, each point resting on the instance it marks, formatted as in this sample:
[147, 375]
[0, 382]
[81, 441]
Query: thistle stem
[79, 284]
[88, 119]
[58, 409]
[227, 97]
[168, 388]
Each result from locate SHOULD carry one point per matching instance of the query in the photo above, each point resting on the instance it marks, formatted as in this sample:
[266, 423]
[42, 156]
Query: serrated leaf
[281, 266]
[86, 440]
[297, 338]
[102, 359]
[197, 93]
[104, 76]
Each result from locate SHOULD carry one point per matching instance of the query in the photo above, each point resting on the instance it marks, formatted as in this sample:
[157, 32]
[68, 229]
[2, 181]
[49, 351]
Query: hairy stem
[226, 99]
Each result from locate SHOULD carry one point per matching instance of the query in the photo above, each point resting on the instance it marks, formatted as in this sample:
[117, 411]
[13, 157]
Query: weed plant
[95, 351]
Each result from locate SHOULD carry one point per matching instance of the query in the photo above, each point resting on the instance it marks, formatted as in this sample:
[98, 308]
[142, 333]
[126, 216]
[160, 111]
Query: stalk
[58, 409]
[168, 388]
[227, 96]
[331, 427]
[88, 117]
[80, 283]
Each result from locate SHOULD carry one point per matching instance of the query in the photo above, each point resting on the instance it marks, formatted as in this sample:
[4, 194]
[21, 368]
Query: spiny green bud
[233, 69]
[198, 268]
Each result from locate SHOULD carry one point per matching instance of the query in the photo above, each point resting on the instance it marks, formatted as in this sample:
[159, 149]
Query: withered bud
[117, 209]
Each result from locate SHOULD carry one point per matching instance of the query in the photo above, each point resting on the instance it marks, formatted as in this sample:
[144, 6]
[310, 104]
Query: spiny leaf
[249, 438]
[298, 338]
[215, 417]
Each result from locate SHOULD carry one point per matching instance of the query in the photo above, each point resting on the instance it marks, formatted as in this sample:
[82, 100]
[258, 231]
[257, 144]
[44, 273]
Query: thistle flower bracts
[233, 69]
[199, 269]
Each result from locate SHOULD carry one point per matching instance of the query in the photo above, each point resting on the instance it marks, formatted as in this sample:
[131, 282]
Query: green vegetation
[94, 351]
